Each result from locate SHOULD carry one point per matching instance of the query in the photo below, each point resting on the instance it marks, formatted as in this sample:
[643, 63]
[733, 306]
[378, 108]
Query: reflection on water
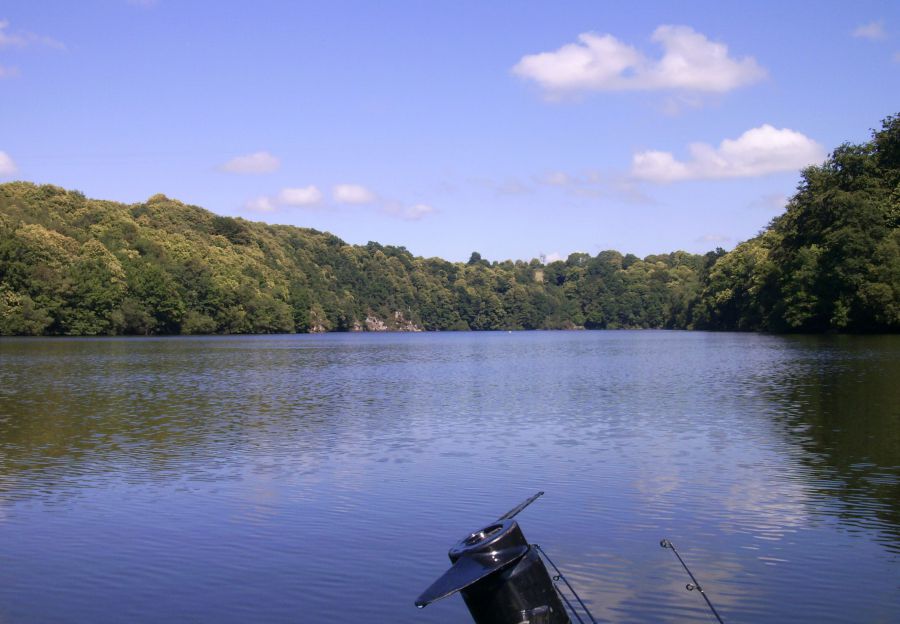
[322, 478]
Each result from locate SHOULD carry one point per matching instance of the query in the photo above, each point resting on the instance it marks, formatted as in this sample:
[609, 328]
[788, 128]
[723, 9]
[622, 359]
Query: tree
[159, 298]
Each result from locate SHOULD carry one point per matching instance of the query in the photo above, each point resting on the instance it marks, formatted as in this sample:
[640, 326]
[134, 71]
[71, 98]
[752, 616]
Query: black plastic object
[501, 577]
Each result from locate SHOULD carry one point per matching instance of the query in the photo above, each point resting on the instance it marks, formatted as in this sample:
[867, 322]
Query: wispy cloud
[409, 213]
[417, 211]
[291, 197]
[311, 198]
[256, 163]
[690, 62]
[144, 4]
[758, 151]
[873, 31]
[352, 194]
[7, 165]
[24, 39]
[299, 196]
[263, 203]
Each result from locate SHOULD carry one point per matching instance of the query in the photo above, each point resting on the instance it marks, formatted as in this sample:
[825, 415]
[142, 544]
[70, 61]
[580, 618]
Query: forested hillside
[70, 265]
[76, 266]
[831, 261]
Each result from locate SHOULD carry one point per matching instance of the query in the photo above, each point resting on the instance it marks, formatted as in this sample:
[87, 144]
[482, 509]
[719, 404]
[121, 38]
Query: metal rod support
[512, 513]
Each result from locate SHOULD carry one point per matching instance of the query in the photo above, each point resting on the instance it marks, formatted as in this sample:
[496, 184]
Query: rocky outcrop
[397, 323]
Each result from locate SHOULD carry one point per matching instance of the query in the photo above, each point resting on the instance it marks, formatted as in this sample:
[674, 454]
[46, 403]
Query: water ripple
[323, 478]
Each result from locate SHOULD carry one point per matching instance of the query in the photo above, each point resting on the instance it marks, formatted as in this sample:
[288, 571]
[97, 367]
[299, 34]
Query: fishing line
[559, 576]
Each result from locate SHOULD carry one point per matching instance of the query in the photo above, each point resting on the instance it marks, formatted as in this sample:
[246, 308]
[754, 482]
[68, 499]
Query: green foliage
[77, 266]
[71, 265]
[831, 262]
[20, 316]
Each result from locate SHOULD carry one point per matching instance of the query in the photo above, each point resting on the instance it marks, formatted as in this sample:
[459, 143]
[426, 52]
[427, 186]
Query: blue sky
[511, 128]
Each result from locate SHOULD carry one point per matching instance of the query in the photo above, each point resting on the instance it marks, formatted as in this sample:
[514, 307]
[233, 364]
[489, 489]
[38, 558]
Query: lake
[322, 478]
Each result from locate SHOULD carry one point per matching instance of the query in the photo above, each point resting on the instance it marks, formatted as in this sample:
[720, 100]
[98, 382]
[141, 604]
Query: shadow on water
[73, 412]
[839, 401]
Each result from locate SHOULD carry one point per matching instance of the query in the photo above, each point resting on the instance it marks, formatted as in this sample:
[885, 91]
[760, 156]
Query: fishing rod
[515, 511]
[502, 578]
[694, 584]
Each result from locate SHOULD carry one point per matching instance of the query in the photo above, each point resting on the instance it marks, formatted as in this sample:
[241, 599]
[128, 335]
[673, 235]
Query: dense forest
[831, 262]
[70, 265]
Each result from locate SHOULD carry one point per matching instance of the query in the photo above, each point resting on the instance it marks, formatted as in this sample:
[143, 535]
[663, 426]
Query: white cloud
[304, 196]
[310, 197]
[872, 30]
[25, 39]
[8, 72]
[7, 165]
[658, 167]
[897, 57]
[258, 162]
[690, 62]
[554, 256]
[262, 203]
[597, 62]
[416, 212]
[299, 196]
[758, 151]
[352, 194]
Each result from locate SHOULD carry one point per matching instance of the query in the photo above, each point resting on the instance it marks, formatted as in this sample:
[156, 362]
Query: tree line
[70, 265]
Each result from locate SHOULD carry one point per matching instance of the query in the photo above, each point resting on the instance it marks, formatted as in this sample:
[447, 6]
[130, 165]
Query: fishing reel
[501, 577]
[503, 580]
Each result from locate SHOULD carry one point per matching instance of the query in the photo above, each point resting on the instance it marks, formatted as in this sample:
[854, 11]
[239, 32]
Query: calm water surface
[323, 478]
